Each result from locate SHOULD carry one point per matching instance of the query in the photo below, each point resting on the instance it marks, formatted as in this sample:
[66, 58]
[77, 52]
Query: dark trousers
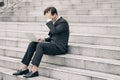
[36, 50]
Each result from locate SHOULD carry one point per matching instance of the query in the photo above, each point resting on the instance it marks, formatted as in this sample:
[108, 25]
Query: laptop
[31, 37]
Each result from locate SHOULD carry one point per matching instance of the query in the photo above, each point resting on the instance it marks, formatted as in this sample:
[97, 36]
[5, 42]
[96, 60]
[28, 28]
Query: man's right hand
[41, 39]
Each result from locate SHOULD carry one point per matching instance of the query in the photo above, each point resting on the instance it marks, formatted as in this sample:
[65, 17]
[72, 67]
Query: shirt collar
[57, 19]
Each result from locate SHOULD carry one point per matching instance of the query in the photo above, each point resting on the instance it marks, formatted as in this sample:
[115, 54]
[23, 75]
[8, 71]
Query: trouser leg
[44, 48]
[29, 53]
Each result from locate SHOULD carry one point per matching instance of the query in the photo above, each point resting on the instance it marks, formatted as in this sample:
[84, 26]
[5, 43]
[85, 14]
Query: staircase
[94, 45]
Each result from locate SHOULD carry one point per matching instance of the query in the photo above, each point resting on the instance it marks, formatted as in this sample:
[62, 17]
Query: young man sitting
[57, 43]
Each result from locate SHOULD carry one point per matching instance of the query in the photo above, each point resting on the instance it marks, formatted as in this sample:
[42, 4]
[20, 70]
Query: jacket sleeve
[61, 27]
[48, 39]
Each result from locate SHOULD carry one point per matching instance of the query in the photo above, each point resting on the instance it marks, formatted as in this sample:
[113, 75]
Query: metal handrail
[9, 5]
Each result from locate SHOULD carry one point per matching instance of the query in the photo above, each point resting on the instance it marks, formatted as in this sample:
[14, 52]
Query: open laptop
[31, 37]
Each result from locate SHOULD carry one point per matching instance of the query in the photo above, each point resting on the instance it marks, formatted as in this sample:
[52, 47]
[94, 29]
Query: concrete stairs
[94, 45]
[85, 60]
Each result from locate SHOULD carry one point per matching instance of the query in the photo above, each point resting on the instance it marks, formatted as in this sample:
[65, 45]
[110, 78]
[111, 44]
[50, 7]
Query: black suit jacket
[59, 34]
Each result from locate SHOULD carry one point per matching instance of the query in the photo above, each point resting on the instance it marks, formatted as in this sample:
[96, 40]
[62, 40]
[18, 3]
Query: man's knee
[40, 45]
[32, 43]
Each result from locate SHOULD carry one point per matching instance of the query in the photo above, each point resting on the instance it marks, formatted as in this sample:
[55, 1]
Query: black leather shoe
[30, 74]
[20, 72]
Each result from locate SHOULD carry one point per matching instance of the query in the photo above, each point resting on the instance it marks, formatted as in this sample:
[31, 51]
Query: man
[57, 43]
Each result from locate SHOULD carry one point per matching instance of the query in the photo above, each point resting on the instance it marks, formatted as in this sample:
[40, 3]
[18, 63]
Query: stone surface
[93, 46]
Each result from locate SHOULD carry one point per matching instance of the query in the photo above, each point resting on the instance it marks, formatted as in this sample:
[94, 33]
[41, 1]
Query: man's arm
[62, 27]
[48, 39]
[44, 39]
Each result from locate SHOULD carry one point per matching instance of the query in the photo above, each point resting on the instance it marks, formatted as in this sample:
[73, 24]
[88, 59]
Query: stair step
[95, 39]
[102, 8]
[45, 32]
[72, 24]
[11, 25]
[106, 29]
[75, 19]
[6, 74]
[96, 50]
[78, 12]
[54, 70]
[88, 63]
[87, 1]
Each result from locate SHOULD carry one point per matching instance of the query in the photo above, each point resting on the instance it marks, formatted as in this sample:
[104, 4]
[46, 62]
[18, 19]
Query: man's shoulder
[63, 20]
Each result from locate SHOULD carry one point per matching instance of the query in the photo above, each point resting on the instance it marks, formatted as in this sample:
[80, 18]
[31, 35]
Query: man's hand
[41, 40]
[48, 15]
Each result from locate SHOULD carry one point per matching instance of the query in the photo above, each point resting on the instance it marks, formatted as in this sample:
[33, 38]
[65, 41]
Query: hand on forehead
[48, 14]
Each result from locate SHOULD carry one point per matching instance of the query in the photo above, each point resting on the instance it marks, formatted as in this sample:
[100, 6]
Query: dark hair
[52, 9]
